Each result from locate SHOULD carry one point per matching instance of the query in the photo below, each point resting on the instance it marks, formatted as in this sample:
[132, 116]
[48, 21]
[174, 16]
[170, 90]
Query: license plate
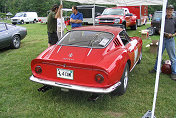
[65, 74]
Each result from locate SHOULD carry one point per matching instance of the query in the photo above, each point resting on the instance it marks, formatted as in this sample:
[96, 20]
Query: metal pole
[61, 20]
[159, 56]
[94, 14]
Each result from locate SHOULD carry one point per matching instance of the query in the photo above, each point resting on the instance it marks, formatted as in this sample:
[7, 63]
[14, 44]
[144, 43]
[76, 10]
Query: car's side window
[2, 27]
[124, 37]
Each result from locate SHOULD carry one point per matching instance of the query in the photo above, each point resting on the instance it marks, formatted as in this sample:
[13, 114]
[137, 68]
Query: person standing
[168, 40]
[76, 18]
[60, 22]
[52, 26]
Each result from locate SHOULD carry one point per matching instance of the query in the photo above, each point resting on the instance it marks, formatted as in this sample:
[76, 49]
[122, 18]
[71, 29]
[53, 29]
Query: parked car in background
[94, 59]
[88, 12]
[25, 17]
[156, 22]
[11, 35]
[140, 11]
[117, 17]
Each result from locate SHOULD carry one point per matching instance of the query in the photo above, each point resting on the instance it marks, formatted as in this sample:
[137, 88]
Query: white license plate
[66, 74]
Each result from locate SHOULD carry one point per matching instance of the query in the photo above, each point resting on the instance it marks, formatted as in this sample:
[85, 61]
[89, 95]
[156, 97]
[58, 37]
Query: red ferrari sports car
[94, 59]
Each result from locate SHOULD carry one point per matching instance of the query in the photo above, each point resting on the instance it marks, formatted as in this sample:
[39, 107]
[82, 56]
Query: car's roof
[114, 30]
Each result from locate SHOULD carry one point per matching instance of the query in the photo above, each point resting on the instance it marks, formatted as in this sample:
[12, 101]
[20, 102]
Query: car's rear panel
[83, 75]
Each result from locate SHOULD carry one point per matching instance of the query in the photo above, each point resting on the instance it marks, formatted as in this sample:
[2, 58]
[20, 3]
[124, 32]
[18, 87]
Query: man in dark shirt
[76, 18]
[52, 26]
[168, 40]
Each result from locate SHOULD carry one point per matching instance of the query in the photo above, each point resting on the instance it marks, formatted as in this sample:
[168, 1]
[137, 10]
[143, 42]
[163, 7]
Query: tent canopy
[121, 2]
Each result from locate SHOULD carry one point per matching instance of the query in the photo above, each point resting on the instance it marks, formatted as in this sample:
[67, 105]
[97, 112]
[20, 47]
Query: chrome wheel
[126, 79]
[16, 42]
[124, 82]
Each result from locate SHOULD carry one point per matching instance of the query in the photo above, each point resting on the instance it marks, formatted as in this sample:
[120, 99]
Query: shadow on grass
[5, 49]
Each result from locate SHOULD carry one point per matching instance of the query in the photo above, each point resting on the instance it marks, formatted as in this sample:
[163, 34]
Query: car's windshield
[92, 39]
[113, 12]
[19, 15]
[158, 15]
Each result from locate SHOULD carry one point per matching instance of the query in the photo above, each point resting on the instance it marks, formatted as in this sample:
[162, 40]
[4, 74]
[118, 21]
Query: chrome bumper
[76, 87]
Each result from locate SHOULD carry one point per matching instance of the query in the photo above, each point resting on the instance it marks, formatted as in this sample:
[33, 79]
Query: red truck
[124, 16]
[140, 11]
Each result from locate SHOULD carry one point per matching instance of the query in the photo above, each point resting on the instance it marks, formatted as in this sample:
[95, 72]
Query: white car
[25, 17]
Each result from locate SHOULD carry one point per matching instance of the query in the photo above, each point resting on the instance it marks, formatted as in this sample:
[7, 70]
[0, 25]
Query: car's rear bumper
[76, 87]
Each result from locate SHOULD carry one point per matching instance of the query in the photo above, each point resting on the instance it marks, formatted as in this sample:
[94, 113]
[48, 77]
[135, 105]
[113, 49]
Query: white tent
[137, 3]
[121, 2]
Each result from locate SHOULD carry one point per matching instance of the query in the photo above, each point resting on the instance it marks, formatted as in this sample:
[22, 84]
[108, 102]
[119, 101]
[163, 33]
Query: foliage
[2, 15]
[42, 6]
[39, 6]
[152, 9]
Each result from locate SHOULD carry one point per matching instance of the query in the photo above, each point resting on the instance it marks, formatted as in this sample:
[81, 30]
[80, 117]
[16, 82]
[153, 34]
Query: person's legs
[49, 39]
[52, 39]
[170, 47]
[163, 48]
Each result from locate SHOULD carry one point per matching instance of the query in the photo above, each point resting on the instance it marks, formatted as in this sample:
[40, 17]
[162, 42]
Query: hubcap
[125, 78]
[16, 41]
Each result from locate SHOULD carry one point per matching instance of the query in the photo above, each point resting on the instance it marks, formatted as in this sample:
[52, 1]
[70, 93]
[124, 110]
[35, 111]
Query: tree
[42, 6]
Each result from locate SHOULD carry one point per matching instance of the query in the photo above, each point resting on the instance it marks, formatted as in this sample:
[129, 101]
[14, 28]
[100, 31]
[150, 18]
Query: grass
[19, 97]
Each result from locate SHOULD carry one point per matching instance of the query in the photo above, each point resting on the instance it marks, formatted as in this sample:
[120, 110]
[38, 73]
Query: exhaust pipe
[44, 88]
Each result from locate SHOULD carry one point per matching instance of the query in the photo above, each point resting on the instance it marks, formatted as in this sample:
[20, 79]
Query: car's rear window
[92, 39]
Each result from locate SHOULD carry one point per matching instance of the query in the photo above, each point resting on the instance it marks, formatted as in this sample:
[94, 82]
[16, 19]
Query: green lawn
[19, 97]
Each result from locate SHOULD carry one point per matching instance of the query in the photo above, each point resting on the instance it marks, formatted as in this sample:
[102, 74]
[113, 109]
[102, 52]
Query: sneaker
[152, 71]
[173, 77]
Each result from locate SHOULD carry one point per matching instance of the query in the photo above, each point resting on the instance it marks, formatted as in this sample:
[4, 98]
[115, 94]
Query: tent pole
[61, 19]
[159, 56]
[94, 14]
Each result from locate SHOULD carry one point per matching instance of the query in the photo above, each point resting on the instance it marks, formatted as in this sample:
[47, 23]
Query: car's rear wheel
[124, 82]
[140, 58]
[16, 42]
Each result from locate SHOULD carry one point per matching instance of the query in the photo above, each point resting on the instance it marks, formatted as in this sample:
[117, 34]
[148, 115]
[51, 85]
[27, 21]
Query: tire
[34, 21]
[151, 31]
[14, 23]
[134, 27]
[124, 82]
[22, 21]
[16, 41]
[140, 58]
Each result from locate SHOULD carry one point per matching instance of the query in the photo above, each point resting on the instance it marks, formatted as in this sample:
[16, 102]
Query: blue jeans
[169, 45]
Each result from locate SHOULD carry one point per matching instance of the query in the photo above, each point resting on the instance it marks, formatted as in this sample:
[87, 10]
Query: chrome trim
[76, 87]
[59, 49]
[135, 64]
[62, 65]
[89, 52]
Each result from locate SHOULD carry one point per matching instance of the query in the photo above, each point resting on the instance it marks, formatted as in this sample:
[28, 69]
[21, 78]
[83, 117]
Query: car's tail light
[99, 78]
[38, 69]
